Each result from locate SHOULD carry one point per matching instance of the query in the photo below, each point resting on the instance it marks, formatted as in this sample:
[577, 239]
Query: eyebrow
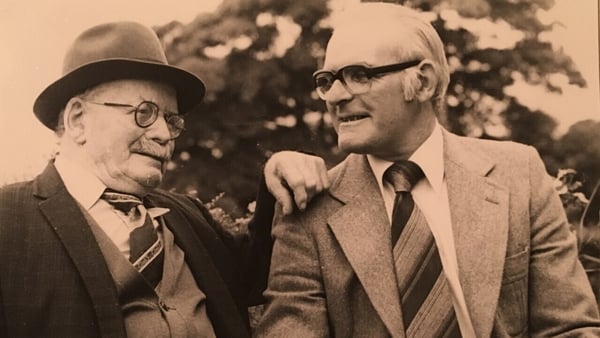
[364, 64]
[166, 110]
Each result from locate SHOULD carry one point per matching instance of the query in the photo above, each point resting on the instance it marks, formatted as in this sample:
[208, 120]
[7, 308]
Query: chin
[149, 179]
[352, 146]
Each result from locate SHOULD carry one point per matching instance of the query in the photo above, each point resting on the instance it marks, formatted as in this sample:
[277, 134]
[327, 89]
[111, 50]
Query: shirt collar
[429, 156]
[157, 211]
[84, 186]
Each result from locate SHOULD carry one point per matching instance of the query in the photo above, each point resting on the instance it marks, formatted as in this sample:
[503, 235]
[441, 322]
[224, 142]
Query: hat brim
[190, 89]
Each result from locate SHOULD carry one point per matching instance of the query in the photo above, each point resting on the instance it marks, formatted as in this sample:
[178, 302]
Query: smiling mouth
[352, 118]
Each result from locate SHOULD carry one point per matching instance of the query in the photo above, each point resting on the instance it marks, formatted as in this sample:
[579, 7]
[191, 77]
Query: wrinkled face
[378, 122]
[125, 156]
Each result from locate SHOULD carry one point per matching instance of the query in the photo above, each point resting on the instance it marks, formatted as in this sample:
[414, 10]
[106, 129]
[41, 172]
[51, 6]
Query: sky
[36, 33]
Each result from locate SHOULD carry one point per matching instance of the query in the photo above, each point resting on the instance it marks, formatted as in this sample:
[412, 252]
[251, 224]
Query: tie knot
[121, 201]
[403, 175]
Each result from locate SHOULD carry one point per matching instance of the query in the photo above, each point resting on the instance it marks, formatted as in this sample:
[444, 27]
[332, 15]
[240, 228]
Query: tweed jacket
[54, 281]
[332, 269]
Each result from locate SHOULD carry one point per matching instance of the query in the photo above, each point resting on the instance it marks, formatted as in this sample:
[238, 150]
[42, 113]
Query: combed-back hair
[425, 41]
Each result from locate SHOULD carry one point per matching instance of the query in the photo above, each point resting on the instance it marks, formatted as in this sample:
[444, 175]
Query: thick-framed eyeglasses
[147, 112]
[355, 78]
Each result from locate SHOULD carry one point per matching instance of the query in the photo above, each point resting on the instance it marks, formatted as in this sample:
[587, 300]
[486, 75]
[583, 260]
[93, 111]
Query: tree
[257, 57]
[579, 149]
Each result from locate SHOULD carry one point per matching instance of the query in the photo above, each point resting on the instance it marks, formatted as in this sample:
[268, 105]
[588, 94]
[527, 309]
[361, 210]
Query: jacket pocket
[512, 304]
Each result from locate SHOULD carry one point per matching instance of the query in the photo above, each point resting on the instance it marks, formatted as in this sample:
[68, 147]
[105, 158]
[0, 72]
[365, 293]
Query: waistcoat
[175, 308]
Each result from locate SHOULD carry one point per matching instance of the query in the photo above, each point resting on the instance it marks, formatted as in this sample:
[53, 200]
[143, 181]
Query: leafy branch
[584, 219]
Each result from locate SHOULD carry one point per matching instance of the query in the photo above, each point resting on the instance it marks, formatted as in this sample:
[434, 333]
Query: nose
[159, 131]
[337, 94]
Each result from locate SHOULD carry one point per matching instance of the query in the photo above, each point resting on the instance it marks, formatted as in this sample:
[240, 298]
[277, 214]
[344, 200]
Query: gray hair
[425, 42]
[59, 131]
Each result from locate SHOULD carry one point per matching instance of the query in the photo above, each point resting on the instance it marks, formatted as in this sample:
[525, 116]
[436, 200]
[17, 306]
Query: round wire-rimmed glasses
[355, 78]
[147, 112]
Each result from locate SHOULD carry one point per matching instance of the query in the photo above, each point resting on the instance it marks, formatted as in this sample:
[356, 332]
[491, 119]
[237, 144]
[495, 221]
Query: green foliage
[260, 96]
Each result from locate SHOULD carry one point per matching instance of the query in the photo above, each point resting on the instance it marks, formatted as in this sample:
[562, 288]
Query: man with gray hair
[423, 233]
[91, 247]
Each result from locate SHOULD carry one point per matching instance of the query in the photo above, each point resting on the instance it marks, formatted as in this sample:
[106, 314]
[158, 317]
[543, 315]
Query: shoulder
[15, 195]
[16, 188]
[172, 199]
[341, 176]
[19, 217]
[352, 162]
[190, 206]
[479, 154]
[492, 148]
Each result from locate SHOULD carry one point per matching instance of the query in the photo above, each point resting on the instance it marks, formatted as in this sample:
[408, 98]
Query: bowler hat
[115, 51]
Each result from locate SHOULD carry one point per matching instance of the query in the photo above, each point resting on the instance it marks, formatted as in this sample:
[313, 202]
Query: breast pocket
[512, 305]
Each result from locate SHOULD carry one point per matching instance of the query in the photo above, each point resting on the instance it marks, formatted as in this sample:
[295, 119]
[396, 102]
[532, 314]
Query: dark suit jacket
[332, 273]
[54, 281]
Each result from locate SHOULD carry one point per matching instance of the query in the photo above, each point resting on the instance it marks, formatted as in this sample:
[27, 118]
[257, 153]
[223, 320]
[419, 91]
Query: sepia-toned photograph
[317, 168]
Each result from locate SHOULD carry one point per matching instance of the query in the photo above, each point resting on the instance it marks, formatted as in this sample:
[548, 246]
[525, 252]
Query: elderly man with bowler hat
[91, 247]
[422, 233]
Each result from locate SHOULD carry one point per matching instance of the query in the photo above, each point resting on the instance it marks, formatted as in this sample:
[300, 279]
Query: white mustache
[153, 149]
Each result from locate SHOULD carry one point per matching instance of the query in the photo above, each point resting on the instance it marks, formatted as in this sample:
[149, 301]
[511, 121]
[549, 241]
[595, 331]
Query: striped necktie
[426, 300]
[146, 248]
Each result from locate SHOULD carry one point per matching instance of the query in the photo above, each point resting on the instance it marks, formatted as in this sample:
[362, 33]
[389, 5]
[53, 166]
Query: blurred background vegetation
[257, 57]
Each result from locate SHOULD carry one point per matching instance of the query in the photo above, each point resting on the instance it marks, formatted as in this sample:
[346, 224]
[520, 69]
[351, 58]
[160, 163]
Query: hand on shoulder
[294, 178]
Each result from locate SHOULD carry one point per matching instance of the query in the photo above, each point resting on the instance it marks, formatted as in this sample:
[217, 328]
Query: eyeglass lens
[354, 77]
[147, 113]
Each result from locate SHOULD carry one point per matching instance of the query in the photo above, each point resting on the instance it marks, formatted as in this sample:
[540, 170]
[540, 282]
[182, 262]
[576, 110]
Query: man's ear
[74, 120]
[428, 79]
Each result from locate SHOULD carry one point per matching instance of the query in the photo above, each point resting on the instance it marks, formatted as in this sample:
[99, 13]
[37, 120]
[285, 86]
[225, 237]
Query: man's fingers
[315, 178]
[297, 184]
[300, 196]
[283, 197]
[311, 183]
[322, 172]
[275, 184]
[304, 175]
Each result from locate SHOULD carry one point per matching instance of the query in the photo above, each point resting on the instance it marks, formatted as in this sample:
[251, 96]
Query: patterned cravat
[426, 300]
[146, 248]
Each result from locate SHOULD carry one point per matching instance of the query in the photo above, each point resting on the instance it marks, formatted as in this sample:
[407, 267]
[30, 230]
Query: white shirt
[87, 189]
[431, 195]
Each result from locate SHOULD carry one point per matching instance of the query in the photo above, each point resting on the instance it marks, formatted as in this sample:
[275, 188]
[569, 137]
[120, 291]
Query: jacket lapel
[68, 222]
[363, 231]
[479, 214]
